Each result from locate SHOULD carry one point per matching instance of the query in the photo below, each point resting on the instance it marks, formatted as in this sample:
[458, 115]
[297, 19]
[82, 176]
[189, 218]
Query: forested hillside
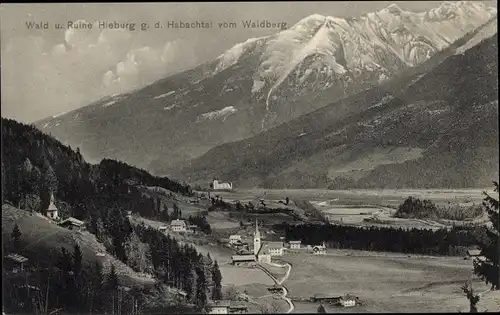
[34, 165]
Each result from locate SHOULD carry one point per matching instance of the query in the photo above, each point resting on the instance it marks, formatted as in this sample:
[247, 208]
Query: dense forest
[34, 166]
[388, 239]
[426, 209]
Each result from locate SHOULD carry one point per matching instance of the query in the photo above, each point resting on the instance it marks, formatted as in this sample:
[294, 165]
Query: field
[352, 207]
[382, 197]
[383, 282]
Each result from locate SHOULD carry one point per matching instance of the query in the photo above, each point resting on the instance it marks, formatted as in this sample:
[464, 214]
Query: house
[72, 224]
[235, 239]
[319, 249]
[221, 186]
[15, 263]
[163, 228]
[52, 211]
[474, 252]
[239, 259]
[178, 226]
[294, 244]
[218, 307]
[348, 300]
[275, 248]
[192, 228]
[325, 298]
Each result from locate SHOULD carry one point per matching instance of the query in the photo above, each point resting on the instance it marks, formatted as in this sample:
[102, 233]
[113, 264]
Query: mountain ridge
[436, 115]
[255, 85]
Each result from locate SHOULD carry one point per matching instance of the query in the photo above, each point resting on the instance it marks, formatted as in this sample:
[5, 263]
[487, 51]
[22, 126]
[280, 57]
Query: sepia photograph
[250, 157]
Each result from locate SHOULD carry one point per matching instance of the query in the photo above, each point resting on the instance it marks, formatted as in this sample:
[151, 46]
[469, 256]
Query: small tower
[256, 239]
[52, 211]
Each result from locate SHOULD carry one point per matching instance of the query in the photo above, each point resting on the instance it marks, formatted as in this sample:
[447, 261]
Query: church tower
[256, 239]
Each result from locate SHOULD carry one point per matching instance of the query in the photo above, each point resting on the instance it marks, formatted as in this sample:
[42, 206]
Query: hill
[261, 83]
[435, 126]
[44, 240]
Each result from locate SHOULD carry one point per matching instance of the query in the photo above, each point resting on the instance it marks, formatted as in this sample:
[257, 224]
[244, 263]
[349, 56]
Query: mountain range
[262, 84]
[436, 127]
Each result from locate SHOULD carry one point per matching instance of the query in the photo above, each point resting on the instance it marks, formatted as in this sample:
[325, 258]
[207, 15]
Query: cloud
[86, 66]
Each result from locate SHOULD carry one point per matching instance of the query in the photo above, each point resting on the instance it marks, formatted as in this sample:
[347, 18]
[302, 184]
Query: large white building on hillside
[221, 186]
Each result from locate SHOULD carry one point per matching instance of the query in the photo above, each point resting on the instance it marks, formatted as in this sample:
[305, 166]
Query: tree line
[389, 239]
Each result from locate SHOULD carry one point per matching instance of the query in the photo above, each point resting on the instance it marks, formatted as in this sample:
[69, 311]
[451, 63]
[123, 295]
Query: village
[252, 246]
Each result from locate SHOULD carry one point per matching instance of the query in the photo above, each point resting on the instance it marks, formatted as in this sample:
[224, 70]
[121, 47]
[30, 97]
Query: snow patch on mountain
[233, 55]
[218, 114]
[164, 95]
[108, 103]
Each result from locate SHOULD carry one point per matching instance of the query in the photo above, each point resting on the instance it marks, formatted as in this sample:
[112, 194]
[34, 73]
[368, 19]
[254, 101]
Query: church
[261, 252]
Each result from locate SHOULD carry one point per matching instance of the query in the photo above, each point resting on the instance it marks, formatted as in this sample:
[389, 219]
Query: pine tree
[16, 238]
[112, 281]
[489, 269]
[201, 288]
[217, 280]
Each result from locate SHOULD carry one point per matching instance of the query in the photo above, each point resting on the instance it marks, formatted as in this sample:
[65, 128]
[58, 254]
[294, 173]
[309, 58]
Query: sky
[45, 72]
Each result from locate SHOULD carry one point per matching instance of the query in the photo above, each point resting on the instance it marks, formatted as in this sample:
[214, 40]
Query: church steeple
[256, 239]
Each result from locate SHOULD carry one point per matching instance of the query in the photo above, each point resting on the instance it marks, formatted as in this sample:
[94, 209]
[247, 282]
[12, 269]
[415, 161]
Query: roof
[237, 305]
[178, 222]
[326, 296]
[219, 303]
[243, 257]
[295, 242]
[17, 258]
[349, 297]
[72, 221]
[474, 252]
[275, 244]
[235, 236]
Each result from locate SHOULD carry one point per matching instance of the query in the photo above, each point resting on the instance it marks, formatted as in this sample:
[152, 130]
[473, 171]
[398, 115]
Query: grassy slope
[44, 239]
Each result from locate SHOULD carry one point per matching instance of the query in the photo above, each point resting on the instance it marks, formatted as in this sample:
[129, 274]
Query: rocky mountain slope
[436, 126]
[262, 83]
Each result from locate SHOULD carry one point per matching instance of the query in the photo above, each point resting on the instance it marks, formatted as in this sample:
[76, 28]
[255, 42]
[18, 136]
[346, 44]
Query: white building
[218, 307]
[295, 244]
[178, 226]
[235, 239]
[348, 300]
[275, 248]
[319, 249]
[52, 211]
[222, 186]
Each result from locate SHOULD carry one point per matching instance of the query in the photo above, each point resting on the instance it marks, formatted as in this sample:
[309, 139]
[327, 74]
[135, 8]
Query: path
[279, 282]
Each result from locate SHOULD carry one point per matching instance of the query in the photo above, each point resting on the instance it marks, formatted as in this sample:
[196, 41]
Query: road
[280, 282]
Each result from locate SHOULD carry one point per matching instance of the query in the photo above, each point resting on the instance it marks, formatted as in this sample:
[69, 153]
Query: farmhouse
[236, 308]
[15, 263]
[319, 249]
[221, 186]
[474, 252]
[325, 298]
[225, 307]
[52, 211]
[239, 259]
[178, 226]
[72, 224]
[294, 244]
[218, 307]
[348, 300]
